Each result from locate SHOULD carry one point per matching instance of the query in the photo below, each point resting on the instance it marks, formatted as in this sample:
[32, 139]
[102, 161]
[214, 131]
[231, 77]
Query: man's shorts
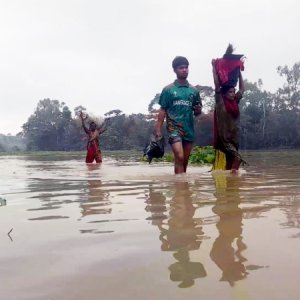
[175, 138]
[93, 153]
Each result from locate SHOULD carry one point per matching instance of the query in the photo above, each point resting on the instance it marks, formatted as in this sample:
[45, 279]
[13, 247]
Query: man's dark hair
[93, 125]
[226, 88]
[179, 61]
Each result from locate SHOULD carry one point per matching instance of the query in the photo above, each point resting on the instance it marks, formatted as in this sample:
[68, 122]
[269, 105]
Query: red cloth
[215, 130]
[232, 107]
[228, 70]
[93, 153]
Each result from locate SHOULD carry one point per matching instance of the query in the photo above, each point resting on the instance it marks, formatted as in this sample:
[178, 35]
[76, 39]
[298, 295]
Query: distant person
[226, 73]
[179, 102]
[93, 146]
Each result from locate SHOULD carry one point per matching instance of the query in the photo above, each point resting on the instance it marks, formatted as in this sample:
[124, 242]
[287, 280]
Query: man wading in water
[179, 101]
[93, 147]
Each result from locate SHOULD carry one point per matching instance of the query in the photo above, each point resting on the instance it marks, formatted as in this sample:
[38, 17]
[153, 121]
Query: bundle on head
[229, 67]
[229, 50]
[96, 119]
[89, 118]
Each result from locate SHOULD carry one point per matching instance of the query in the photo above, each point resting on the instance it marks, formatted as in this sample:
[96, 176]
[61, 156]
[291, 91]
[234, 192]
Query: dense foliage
[199, 155]
[202, 155]
[268, 120]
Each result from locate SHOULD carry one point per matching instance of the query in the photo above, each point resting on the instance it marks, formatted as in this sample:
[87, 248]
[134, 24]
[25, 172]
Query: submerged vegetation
[202, 155]
[199, 155]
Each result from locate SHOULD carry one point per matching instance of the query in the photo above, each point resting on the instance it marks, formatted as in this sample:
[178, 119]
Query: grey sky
[117, 54]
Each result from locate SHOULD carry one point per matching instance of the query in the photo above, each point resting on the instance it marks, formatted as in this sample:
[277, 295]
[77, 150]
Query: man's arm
[241, 84]
[83, 124]
[159, 122]
[198, 105]
[239, 94]
[103, 127]
[216, 78]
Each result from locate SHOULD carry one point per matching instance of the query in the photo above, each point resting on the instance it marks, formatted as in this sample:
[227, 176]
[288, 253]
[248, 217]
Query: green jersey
[178, 102]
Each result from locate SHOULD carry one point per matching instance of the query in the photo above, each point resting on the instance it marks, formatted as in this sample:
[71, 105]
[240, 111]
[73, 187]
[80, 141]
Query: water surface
[129, 230]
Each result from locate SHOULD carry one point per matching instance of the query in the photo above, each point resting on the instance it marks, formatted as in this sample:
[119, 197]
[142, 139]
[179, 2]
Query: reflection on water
[208, 235]
[180, 232]
[97, 201]
[229, 245]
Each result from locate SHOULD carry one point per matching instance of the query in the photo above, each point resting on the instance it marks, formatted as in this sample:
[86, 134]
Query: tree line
[268, 121]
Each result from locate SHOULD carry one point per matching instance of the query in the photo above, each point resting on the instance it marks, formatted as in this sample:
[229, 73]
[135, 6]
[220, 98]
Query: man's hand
[159, 123]
[82, 115]
[157, 133]
[197, 109]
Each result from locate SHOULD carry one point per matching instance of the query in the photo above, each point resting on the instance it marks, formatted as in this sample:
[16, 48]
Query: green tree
[287, 107]
[256, 108]
[47, 128]
[288, 97]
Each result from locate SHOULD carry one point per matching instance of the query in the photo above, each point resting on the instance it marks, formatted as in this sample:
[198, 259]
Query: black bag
[155, 148]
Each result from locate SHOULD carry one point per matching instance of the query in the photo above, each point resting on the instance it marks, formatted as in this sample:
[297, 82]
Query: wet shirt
[178, 102]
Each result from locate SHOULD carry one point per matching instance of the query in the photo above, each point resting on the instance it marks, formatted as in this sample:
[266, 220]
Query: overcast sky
[117, 53]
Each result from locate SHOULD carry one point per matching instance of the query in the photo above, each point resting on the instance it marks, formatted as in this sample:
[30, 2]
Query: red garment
[93, 153]
[228, 70]
[232, 107]
[215, 130]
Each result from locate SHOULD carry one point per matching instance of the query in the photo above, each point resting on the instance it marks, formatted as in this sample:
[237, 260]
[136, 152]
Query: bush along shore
[199, 156]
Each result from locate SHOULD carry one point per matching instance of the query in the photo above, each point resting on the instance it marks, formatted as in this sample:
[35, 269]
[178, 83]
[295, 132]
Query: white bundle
[90, 117]
[94, 118]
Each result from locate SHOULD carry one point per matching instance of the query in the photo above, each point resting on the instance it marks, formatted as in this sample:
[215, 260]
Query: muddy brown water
[128, 230]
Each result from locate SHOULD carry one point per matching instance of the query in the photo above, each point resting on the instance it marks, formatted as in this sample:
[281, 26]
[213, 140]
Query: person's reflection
[97, 201]
[156, 205]
[291, 208]
[228, 247]
[181, 233]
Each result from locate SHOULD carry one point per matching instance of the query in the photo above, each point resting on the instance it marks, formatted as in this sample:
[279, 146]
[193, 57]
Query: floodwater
[129, 230]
